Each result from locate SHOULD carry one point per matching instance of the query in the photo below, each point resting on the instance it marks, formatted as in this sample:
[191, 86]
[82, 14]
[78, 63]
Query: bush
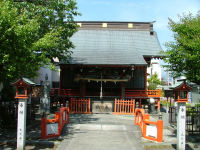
[6, 120]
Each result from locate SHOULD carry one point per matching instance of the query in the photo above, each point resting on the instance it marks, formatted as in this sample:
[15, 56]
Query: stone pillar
[21, 124]
[152, 104]
[181, 120]
[45, 99]
[167, 109]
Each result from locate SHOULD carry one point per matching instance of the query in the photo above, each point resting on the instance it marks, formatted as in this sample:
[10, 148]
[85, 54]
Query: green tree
[183, 54]
[153, 81]
[32, 33]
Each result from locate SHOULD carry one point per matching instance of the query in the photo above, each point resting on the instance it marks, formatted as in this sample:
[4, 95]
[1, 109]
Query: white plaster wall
[53, 76]
[56, 74]
[155, 68]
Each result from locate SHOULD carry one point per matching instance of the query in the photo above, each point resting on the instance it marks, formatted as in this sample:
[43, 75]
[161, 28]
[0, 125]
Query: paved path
[101, 132]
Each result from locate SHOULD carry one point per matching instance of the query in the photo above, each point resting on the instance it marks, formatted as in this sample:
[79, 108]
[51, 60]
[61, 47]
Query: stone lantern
[23, 91]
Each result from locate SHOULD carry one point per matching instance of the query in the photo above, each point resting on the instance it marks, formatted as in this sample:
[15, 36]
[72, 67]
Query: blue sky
[138, 11]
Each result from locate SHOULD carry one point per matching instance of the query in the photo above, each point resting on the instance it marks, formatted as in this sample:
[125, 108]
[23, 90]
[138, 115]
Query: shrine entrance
[102, 106]
[103, 89]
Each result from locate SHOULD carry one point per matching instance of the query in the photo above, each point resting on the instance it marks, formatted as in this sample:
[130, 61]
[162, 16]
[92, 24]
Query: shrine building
[109, 61]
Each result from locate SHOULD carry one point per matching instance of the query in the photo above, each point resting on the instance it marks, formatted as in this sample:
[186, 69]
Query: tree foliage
[153, 81]
[32, 33]
[183, 54]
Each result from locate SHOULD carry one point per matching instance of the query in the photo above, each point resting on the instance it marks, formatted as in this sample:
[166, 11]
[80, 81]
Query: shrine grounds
[97, 132]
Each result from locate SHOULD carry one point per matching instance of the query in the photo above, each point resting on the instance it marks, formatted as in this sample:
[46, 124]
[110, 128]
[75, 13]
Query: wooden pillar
[84, 88]
[145, 79]
[81, 89]
[122, 90]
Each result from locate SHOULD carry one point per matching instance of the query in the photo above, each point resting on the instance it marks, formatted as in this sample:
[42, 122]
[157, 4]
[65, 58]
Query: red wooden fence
[80, 106]
[124, 107]
[151, 130]
[143, 93]
[53, 127]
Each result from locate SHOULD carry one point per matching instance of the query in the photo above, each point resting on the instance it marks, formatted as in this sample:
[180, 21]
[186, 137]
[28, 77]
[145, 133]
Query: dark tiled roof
[113, 47]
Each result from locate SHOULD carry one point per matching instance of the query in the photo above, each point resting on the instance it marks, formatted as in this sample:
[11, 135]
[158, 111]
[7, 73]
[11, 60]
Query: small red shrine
[181, 92]
[23, 88]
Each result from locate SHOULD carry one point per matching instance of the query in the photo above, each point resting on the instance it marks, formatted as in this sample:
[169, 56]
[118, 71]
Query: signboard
[52, 128]
[102, 106]
[151, 131]
[21, 125]
[181, 119]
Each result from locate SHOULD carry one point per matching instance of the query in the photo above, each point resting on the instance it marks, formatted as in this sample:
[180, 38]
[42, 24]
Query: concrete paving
[101, 132]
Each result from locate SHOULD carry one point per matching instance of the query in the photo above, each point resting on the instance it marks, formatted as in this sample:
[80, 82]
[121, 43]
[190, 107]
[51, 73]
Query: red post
[43, 128]
[159, 130]
[123, 106]
[144, 127]
[115, 105]
[133, 106]
[89, 104]
[159, 92]
[67, 114]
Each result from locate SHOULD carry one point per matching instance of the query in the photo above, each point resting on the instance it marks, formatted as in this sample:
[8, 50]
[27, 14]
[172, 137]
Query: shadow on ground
[33, 141]
[39, 146]
[75, 119]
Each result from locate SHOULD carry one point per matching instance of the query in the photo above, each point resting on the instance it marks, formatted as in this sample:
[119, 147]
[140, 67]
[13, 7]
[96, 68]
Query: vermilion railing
[124, 107]
[151, 130]
[143, 93]
[80, 106]
[53, 127]
[128, 93]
